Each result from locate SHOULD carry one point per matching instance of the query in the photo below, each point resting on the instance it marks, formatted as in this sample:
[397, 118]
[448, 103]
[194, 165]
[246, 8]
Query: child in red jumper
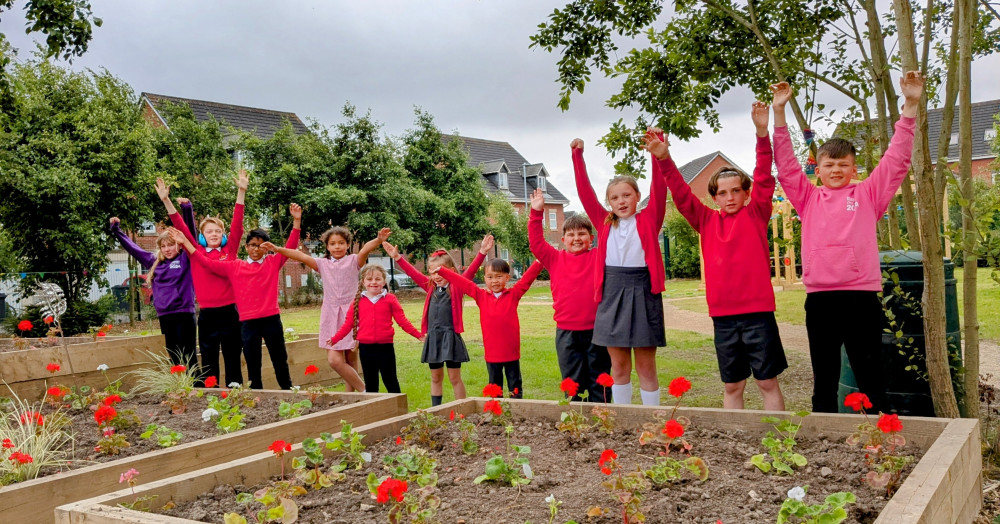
[737, 268]
[628, 276]
[571, 270]
[370, 320]
[442, 320]
[255, 286]
[498, 318]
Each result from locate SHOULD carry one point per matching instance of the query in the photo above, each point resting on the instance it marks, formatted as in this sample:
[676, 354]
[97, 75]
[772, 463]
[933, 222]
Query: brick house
[508, 173]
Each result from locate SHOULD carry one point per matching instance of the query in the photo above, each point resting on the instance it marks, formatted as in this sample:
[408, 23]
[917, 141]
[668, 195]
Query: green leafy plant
[881, 442]
[780, 445]
[111, 442]
[162, 377]
[627, 489]
[230, 421]
[514, 470]
[230, 417]
[42, 439]
[349, 444]
[276, 501]
[308, 466]
[831, 511]
[572, 422]
[287, 410]
[467, 435]
[421, 429]
[165, 437]
[603, 419]
[413, 464]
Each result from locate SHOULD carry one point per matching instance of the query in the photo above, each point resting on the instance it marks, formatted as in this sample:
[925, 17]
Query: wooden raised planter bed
[944, 486]
[35, 500]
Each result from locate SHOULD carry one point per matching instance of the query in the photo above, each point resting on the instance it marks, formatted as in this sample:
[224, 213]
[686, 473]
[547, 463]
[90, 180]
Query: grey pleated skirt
[629, 314]
[444, 345]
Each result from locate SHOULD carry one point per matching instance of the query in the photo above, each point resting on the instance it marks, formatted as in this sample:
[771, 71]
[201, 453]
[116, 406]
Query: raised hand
[162, 190]
[177, 236]
[390, 250]
[486, 245]
[267, 247]
[576, 144]
[383, 234]
[538, 200]
[911, 85]
[296, 211]
[659, 147]
[114, 221]
[782, 94]
[242, 181]
[759, 114]
[182, 200]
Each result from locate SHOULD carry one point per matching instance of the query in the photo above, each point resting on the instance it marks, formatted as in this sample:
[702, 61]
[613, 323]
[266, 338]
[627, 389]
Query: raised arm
[293, 238]
[400, 317]
[418, 278]
[484, 248]
[591, 204]
[232, 248]
[658, 185]
[218, 267]
[187, 213]
[888, 175]
[145, 258]
[664, 167]
[524, 284]
[763, 180]
[383, 235]
[793, 180]
[293, 254]
[542, 250]
[291, 249]
[463, 284]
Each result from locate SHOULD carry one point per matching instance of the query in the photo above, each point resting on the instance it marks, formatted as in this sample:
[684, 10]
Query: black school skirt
[629, 314]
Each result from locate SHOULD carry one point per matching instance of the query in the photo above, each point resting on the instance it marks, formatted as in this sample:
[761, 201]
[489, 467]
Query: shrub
[685, 254]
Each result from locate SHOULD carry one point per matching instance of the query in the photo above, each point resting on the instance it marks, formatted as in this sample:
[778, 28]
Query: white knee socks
[621, 393]
[650, 398]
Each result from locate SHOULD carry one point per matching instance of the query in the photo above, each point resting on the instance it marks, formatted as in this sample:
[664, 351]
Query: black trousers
[583, 361]
[512, 370]
[220, 327]
[270, 330]
[379, 359]
[853, 319]
[178, 335]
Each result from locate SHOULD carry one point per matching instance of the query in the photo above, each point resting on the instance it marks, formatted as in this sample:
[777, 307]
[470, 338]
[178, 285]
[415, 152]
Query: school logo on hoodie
[175, 264]
[852, 204]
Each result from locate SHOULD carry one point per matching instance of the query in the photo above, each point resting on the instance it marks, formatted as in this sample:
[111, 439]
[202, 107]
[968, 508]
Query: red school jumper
[211, 289]
[649, 221]
[425, 283]
[737, 256]
[497, 315]
[572, 279]
[375, 321]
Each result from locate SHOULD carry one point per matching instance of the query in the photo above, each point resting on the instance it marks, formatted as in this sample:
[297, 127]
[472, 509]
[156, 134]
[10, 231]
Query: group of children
[607, 299]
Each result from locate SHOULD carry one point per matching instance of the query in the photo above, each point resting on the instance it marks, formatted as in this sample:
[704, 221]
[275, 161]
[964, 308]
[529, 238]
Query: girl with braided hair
[369, 320]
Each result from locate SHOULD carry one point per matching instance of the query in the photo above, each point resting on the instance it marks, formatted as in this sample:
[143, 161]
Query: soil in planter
[735, 492]
[150, 410]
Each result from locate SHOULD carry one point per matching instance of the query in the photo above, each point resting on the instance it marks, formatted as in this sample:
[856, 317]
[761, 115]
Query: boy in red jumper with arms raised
[737, 268]
[572, 273]
[840, 262]
[498, 318]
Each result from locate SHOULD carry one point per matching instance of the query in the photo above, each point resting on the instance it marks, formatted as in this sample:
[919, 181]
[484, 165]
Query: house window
[502, 180]
[148, 228]
[954, 139]
[541, 182]
[990, 134]
[305, 280]
[552, 220]
[504, 254]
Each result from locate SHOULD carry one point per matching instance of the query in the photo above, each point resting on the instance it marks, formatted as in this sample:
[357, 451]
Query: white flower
[289, 330]
[797, 493]
[102, 367]
[234, 384]
[296, 388]
[208, 414]
[550, 499]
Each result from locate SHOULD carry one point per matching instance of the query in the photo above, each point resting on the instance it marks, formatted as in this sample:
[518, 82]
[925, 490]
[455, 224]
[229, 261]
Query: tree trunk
[967, 21]
[942, 391]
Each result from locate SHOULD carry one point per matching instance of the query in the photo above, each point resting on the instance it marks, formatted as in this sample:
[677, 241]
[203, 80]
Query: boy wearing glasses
[737, 270]
[255, 285]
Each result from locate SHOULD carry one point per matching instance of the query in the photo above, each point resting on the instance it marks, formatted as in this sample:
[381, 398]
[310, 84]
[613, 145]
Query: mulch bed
[735, 492]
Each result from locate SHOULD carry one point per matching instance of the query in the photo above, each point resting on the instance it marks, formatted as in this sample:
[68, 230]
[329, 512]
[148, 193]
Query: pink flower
[128, 476]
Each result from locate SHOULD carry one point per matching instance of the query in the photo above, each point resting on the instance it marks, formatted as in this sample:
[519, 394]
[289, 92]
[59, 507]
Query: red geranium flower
[607, 456]
[211, 382]
[104, 414]
[857, 401]
[25, 325]
[673, 429]
[889, 423]
[515, 391]
[49, 319]
[178, 369]
[52, 367]
[399, 440]
[29, 417]
[451, 416]
[20, 458]
[679, 386]
[605, 380]
[279, 447]
[55, 392]
[311, 370]
[7, 444]
[391, 487]
[111, 400]
[224, 394]
[101, 334]
[569, 387]
[492, 406]
[492, 391]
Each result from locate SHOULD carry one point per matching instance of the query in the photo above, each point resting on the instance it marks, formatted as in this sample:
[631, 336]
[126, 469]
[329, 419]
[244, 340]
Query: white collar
[252, 261]
[497, 295]
[210, 249]
[377, 297]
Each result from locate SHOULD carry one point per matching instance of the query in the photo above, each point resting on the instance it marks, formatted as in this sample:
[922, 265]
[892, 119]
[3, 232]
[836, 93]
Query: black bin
[120, 294]
[3, 306]
[908, 392]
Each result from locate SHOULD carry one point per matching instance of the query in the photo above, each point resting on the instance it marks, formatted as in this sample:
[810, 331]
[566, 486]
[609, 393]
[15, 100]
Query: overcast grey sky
[466, 62]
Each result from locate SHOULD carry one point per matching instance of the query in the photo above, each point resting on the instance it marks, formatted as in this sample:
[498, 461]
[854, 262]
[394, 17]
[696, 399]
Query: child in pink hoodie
[840, 264]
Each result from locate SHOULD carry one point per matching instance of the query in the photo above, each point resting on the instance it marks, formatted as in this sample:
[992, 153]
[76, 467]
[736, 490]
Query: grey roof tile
[488, 154]
[261, 122]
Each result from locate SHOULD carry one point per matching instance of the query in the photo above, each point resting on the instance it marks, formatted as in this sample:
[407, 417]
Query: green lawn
[689, 354]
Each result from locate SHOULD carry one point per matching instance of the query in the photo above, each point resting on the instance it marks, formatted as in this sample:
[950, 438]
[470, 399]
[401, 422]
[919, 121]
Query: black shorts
[748, 342]
[450, 363]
